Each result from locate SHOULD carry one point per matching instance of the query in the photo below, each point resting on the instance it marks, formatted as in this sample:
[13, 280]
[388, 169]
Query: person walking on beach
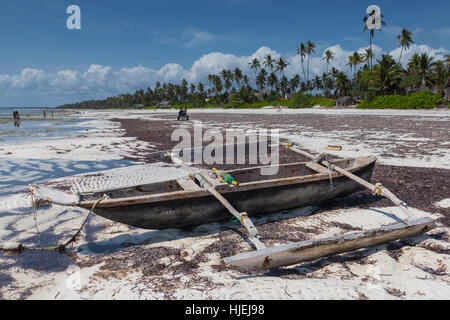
[16, 117]
[45, 114]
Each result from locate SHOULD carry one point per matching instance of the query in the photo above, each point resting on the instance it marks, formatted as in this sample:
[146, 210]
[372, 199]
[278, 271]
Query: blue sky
[125, 45]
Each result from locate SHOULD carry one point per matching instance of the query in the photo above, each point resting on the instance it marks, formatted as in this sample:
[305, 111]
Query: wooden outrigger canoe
[181, 203]
[200, 198]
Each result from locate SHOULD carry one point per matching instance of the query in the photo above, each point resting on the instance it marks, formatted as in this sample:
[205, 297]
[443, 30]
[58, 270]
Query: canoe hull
[206, 209]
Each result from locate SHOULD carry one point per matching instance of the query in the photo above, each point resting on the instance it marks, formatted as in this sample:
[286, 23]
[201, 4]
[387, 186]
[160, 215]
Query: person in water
[16, 117]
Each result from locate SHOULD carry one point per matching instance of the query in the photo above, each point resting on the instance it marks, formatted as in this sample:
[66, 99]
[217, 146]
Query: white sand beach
[115, 261]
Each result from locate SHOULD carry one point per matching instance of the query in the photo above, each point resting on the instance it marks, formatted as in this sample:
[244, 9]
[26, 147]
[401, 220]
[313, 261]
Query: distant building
[140, 106]
[163, 104]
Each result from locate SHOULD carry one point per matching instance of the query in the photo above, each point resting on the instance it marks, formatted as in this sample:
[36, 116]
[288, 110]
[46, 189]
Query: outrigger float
[204, 197]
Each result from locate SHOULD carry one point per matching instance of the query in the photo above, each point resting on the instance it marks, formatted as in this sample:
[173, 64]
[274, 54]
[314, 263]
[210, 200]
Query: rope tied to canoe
[243, 216]
[377, 191]
[330, 168]
[62, 247]
[320, 158]
[34, 200]
[224, 177]
[240, 219]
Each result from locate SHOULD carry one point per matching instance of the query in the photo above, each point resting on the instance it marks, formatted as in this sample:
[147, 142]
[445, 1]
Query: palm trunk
[401, 52]
[307, 74]
[371, 51]
[303, 68]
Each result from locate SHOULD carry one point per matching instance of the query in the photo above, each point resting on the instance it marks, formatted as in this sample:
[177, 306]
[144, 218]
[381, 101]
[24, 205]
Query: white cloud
[438, 54]
[199, 37]
[189, 37]
[100, 81]
[28, 79]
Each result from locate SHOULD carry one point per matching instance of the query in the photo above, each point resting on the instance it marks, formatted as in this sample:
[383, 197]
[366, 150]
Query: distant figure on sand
[182, 114]
[45, 114]
[16, 117]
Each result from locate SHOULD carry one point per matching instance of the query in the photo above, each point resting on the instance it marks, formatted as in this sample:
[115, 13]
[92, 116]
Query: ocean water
[16, 174]
[33, 125]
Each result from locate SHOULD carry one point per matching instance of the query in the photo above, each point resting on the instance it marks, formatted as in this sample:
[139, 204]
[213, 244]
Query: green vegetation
[301, 100]
[387, 84]
[418, 100]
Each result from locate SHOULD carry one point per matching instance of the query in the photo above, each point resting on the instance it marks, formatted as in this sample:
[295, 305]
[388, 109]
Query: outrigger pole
[376, 189]
[254, 235]
[298, 252]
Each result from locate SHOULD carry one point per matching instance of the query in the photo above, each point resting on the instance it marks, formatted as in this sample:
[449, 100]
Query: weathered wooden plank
[334, 148]
[188, 184]
[316, 167]
[314, 249]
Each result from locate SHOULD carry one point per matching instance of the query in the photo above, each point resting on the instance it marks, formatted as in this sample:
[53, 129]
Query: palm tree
[405, 39]
[358, 59]
[201, 89]
[255, 65]
[328, 56]
[351, 62]
[227, 75]
[317, 83]
[281, 64]
[439, 76]
[303, 87]
[245, 79]
[301, 50]
[261, 80]
[192, 88]
[425, 64]
[368, 55]
[386, 75]
[327, 83]
[284, 84]
[216, 81]
[294, 83]
[342, 85]
[237, 75]
[372, 31]
[272, 80]
[310, 49]
[269, 62]
[420, 66]
[218, 85]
